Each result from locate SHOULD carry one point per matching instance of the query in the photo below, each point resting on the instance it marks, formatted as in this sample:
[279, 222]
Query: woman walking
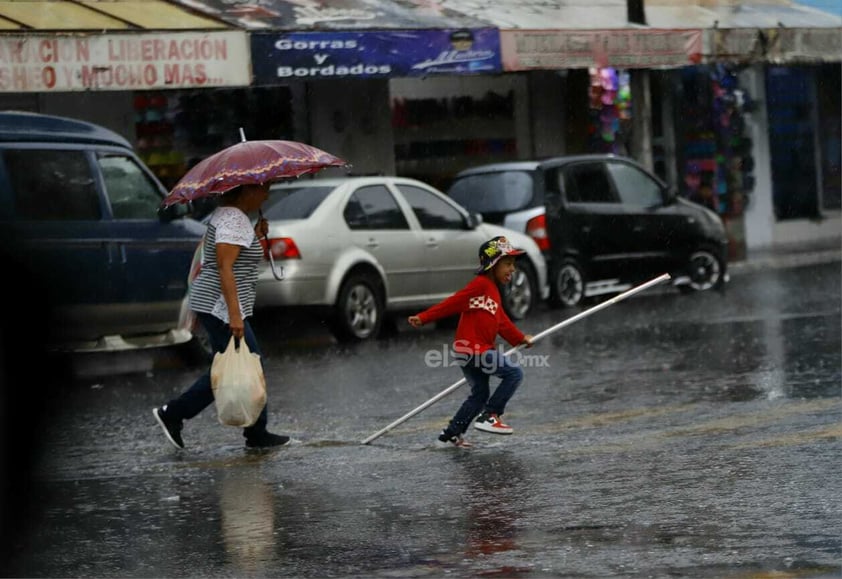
[222, 296]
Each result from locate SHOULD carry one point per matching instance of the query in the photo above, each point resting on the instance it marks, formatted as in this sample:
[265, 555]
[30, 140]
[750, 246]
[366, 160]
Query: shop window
[829, 93]
[437, 137]
[177, 129]
[790, 96]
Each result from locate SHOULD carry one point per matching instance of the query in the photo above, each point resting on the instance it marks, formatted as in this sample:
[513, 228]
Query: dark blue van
[83, 211]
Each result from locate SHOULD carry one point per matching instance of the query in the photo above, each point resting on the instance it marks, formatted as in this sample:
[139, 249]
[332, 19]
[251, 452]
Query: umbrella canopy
[249, 163]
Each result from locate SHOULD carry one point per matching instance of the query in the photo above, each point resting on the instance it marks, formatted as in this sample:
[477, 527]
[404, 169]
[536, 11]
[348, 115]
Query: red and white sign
[32, 63]
[624, 48]
[778, 45]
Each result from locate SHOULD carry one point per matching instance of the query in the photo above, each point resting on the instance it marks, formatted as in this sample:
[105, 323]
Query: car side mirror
[473, 221]
[172, 212]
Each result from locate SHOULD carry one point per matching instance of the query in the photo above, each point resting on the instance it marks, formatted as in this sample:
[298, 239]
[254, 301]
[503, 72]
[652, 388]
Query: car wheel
[520, 295]
[568, 287]
[359, 309]
[704, 270]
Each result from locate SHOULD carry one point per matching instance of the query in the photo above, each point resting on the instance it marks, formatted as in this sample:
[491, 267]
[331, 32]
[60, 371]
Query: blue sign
[374, 54]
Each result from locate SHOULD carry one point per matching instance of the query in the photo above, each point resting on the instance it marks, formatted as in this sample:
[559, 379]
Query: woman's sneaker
[454, 439]
[266, 440]
[171, 426]
[490, 422]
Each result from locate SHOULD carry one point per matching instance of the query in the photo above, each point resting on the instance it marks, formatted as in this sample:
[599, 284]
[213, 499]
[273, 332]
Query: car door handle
[372, 243]
[586, 229]
[432, 243]
[638, 228]
[121, 251]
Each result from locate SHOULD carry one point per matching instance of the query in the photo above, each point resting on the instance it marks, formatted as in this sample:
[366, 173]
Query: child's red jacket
[482, 317]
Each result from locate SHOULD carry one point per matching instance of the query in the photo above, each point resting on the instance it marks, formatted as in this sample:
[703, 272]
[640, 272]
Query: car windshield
[504, 191]
[294, 202]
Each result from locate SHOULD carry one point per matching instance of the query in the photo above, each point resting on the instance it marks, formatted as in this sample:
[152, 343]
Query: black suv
[608, 223]
[83, 212]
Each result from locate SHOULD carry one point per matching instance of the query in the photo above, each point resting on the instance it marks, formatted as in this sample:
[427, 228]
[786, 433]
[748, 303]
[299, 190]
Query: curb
[783, 260]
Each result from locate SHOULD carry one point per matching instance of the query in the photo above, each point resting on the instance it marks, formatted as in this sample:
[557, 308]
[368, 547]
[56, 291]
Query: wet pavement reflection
[691, 436]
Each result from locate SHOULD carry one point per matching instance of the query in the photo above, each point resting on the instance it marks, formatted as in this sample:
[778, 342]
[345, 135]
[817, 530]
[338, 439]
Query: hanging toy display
[154, 126]
[610, 103]
[727, 104]
[717, 156]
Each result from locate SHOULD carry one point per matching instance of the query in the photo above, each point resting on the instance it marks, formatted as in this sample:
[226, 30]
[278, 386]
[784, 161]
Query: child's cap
[493, 250]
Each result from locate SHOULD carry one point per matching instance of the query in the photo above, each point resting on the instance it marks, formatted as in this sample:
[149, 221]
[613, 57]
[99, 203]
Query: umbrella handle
[278, 273]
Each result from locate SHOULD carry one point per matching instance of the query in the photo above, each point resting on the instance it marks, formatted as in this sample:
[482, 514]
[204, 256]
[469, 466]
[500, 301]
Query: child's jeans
[477, 370]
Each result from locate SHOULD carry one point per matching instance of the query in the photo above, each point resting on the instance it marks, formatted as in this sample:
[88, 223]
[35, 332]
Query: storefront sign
[373, 54]
[560, 49]
[31, 63]
[777, 45]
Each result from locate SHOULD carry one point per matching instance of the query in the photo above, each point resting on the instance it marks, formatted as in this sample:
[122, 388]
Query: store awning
[297, 15]
[559, 34]
[506, 14]
[288, 15]
[94, 15]
[741, 16]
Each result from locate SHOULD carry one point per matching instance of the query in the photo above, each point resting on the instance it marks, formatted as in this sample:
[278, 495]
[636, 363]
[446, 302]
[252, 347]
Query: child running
[481, 319]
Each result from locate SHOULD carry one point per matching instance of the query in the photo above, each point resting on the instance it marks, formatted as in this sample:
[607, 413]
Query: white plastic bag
[239, 387]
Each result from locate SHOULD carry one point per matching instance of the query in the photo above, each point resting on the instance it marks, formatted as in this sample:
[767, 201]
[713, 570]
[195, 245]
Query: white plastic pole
[620, 297]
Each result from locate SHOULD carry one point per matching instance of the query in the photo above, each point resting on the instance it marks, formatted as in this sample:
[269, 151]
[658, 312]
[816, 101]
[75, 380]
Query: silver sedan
[369, 248]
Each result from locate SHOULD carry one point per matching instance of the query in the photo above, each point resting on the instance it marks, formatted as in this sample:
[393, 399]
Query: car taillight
[536, 228]
[282, 248]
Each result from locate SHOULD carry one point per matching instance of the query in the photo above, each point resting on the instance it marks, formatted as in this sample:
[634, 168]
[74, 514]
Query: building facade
[732, 108]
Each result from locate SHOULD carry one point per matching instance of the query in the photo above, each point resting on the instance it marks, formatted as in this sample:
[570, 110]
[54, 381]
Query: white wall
[759, 215]
[547, 104]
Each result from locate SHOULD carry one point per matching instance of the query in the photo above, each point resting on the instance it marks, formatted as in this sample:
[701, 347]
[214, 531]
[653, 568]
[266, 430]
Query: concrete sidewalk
[791, 255]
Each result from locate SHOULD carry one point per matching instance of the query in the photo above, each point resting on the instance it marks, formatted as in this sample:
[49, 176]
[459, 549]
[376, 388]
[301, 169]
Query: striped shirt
[227, 225]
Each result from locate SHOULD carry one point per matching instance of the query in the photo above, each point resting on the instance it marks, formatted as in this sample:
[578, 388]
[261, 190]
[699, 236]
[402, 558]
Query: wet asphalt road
[666, 436]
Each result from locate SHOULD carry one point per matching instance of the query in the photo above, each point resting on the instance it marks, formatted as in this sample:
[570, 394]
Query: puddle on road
[684, 444]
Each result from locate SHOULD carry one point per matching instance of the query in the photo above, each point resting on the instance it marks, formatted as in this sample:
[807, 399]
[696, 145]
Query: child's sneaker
[490, 422]
[454, 439]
